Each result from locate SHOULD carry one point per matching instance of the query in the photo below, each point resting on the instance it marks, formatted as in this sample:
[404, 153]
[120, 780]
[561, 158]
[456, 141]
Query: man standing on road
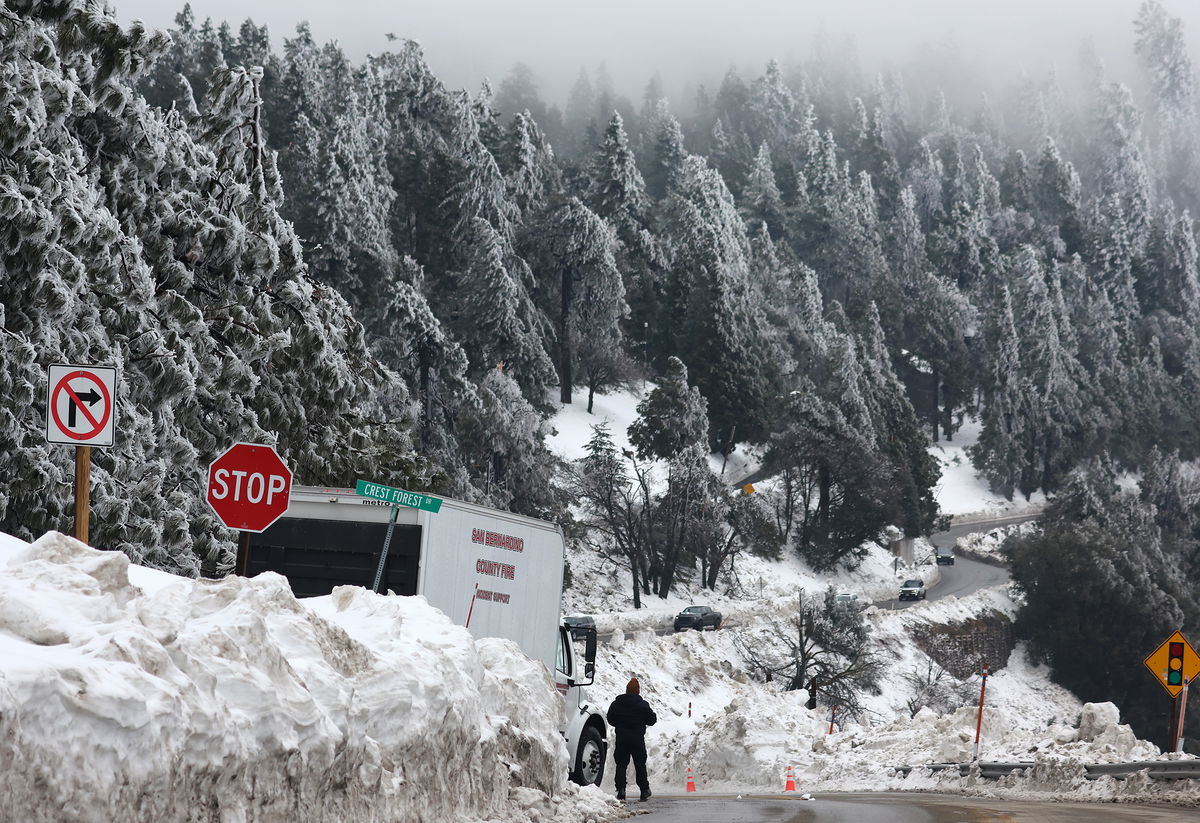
[629, 714]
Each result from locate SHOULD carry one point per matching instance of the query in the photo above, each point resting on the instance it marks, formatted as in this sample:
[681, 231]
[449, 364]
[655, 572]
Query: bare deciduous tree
[822, 646]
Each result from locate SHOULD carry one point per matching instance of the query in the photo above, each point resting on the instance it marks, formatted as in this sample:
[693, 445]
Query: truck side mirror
[589, 649]
[589, 660]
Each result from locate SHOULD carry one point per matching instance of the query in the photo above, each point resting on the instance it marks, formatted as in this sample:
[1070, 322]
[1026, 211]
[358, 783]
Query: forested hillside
[400, 280]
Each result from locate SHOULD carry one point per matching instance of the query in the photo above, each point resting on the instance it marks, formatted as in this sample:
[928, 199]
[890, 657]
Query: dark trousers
[626, 749]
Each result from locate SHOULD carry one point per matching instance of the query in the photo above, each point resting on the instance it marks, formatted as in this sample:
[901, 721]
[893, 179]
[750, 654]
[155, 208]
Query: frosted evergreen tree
[711, 310]
[771, 109]
[1001, 454]
[529, 166]
[579, 117]
[666, 155]
[486, 313]
[672, 417]
[504, 440]
[617, 193]
[572, 252]
[1162, 48]
[1055, 404]
[194, 288]
[763, 205]
[1057, 192]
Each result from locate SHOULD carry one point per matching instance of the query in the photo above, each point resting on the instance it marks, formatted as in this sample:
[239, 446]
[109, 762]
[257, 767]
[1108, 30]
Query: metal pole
[83, 484]
[832, 719]
[1183, 695]
[387, 541]
[979, 719]
[243, 553]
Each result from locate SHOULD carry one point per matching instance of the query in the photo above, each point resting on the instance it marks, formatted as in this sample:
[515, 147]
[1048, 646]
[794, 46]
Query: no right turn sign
[81, 405]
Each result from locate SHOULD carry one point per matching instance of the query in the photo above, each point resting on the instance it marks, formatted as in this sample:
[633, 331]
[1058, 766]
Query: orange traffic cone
[691, 784]
[790, 786]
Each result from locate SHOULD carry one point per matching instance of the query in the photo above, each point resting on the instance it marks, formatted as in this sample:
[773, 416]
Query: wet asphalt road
[895, 808]
[966, 575]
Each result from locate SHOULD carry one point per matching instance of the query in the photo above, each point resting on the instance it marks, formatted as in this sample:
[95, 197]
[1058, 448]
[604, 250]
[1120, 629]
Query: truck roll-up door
[317, 555]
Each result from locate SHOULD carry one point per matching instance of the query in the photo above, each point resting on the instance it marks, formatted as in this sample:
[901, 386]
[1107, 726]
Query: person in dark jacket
[629, 714]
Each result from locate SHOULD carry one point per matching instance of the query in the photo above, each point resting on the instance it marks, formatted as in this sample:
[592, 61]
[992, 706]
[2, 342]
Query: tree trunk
[823, 484]
[637, 595]
[947, 416]
[566, 379]
[426, 396]
[591, 395]
[936, 404]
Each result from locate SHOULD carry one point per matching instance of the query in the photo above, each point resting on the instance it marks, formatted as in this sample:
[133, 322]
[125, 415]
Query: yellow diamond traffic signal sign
[1174, 663]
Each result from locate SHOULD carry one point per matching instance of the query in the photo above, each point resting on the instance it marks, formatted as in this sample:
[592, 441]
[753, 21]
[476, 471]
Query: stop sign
[249, 487]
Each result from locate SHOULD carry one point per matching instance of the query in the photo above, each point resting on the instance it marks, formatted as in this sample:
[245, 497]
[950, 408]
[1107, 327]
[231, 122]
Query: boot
[620, 794]
[646, 794]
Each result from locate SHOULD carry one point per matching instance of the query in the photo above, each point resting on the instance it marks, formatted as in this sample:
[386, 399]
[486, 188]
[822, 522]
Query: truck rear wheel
[589, 760]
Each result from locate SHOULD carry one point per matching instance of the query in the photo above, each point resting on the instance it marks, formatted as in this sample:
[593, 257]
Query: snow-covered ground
[961, 492]
[986, 546]
[131, 695]
[743, 735]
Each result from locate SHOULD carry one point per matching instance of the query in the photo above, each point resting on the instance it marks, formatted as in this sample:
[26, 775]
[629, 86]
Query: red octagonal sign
[249, 487]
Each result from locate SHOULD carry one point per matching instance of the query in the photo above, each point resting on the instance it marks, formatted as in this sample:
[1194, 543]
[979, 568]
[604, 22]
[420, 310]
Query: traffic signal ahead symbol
[1174, 663]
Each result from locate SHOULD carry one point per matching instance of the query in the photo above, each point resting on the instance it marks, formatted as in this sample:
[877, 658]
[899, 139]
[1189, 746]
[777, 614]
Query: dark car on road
[579, 624]
[913, 590]
[699, 618]
[944, 555]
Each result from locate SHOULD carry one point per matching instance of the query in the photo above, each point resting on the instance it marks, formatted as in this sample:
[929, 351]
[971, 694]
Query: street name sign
[81, 405]
[1174, 664]
[399, 497]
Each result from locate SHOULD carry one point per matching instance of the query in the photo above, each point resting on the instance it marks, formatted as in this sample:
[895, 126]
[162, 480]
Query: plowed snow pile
[132, 695]
[744, 734]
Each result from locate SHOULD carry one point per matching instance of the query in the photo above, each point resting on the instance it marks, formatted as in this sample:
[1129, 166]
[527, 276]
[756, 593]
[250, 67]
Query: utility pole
[645, 353]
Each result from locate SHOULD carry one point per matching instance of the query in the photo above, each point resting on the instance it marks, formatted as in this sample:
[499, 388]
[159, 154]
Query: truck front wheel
[589, 760]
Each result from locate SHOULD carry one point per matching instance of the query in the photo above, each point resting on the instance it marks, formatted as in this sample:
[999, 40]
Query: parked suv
[698, 617]
[944, 555]
[913, 590]
[579, 624]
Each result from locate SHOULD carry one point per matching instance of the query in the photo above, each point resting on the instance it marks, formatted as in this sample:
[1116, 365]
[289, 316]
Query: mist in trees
[392, 277]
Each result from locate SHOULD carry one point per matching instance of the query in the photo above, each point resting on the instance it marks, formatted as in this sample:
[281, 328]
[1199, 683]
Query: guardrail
[1155, 769]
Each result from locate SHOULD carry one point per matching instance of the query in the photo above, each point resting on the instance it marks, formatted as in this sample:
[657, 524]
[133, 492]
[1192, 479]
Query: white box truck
[497, 573]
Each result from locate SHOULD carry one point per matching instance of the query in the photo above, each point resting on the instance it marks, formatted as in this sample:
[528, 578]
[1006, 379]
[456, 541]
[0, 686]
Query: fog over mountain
[692, 41]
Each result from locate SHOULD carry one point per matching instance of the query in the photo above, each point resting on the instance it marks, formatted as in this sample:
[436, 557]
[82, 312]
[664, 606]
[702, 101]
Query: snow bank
[127, 694]
[986, 546]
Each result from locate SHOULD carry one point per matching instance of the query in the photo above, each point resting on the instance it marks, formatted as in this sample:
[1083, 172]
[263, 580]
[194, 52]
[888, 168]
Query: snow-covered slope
[743, 735]
[128, 694]
[961, 492]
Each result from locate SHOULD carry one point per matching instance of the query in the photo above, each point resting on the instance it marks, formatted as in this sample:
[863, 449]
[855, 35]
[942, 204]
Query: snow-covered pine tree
[572, 253]
[762, 203]
[712, 312]
[672, 417]
[664, 159]
[1001, 454]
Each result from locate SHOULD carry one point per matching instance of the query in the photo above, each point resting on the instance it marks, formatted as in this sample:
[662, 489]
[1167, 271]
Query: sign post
[1174, 665]
[397, 497]
[81, 412]
[979, 719]
[249, 488]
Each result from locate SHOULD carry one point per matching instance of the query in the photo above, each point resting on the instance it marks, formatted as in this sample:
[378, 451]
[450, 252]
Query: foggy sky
[691, 41]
